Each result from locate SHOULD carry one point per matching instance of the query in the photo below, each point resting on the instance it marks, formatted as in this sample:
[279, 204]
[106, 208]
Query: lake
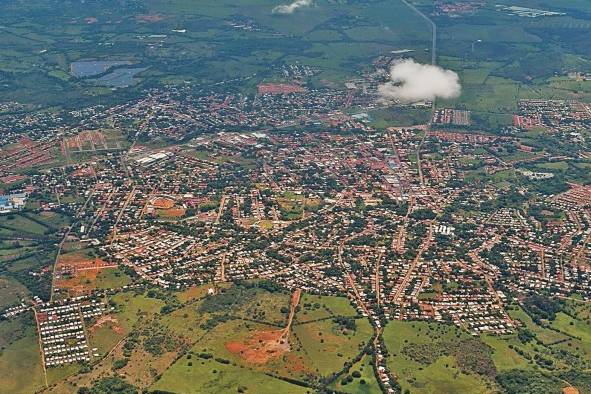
[88, 68]
[120, 78]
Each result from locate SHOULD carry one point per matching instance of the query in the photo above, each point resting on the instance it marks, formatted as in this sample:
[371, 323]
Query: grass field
[440, 376]
[543, 334]
[210, 376]
[556, 166]
[111, 278]
[194, 293]
[20, 364]
[423, 356]
[504, 357]
[58, 374]
[315, 307]
[11, 292]
[366, 384]
[134, 307]
[130, 309]
[318, 345]
[575, 327]
[328, 347]
[22, 224]
[265, 306]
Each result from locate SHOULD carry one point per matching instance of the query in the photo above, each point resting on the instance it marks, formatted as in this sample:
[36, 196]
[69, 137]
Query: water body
[121, 77]
[89, 68]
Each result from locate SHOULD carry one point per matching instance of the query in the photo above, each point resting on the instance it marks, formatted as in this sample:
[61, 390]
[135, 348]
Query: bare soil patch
[262, 347]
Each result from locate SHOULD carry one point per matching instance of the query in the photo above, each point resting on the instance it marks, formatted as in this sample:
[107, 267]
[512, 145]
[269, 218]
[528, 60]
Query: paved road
[433, 29]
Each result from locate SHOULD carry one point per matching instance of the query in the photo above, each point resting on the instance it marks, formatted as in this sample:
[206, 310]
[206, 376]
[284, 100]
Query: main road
[433, 30]
[433, 62]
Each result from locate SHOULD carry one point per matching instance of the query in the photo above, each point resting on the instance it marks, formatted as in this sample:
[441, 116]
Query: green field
[11, 291]
[20, 360]
[316, 307]
[208, 324]
[328, 347]
[504, 357]
[210, 376]
[22, 224]
[543, 334]
[366, 383]
[112, 278]
[436, 373]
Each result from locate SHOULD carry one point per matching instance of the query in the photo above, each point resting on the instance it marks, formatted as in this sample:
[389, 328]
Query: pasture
[20, 361]
[197, 375]
[422, 367]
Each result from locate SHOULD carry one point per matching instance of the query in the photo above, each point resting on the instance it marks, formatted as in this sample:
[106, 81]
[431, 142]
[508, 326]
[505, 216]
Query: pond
[88, 68]
[120, 78]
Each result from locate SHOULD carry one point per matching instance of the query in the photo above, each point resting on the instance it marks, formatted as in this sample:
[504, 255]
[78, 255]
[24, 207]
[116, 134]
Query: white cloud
[290, 8]
[411, 82]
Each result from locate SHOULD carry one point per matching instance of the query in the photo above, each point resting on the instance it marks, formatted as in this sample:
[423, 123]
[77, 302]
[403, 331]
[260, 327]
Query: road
[295, 300]
[130, 197]
[400, 289]
[63, 240]
[433, 30]
[221, 208]
[223, 268]
[41, 347]
[377, 277]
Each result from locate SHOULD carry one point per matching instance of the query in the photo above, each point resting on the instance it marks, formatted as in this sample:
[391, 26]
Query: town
[429, 223]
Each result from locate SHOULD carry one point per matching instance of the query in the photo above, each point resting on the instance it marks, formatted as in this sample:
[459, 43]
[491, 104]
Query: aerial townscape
[315, 196]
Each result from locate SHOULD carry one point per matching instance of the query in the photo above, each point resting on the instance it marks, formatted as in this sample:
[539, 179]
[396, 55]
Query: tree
[111, 385]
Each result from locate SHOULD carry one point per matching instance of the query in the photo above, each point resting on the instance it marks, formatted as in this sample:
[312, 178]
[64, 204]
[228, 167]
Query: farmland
[28, 246]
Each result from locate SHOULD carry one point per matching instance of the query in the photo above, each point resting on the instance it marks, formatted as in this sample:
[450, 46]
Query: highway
[433, 29]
